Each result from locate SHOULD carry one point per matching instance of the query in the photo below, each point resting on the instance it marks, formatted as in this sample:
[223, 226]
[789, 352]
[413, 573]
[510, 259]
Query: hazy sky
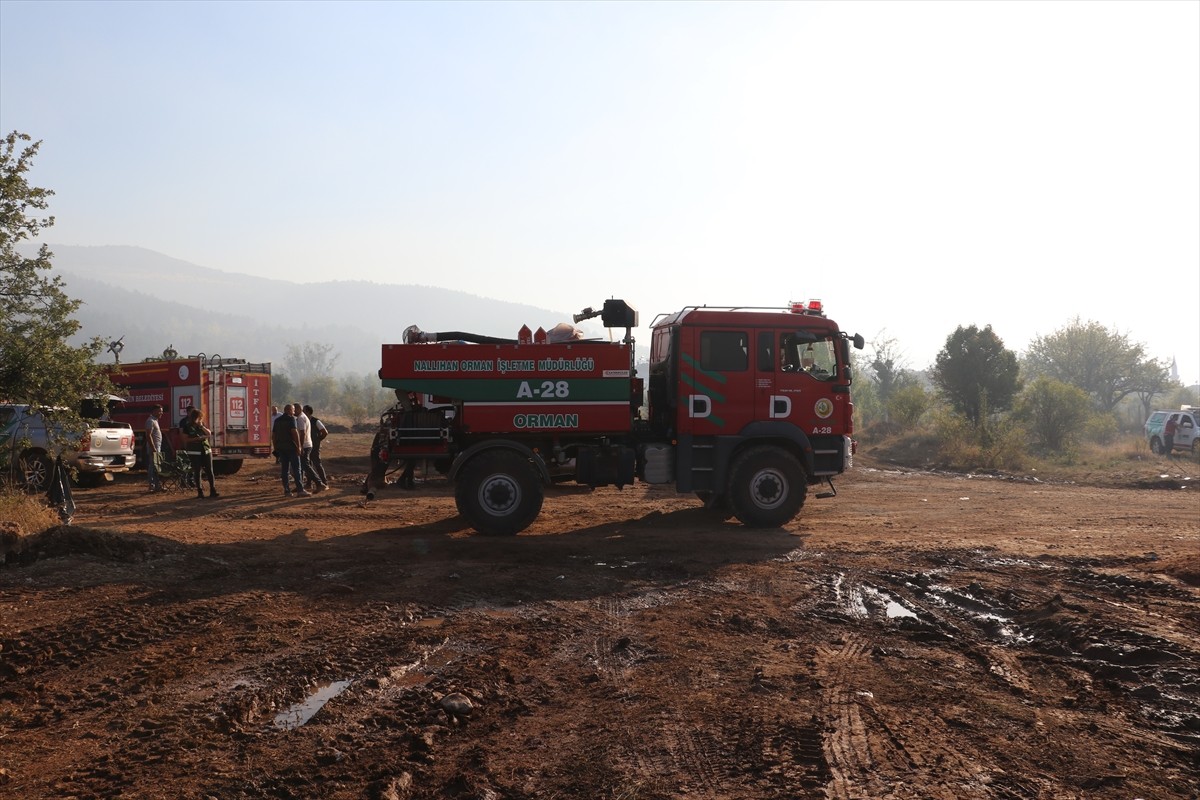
[916, 165]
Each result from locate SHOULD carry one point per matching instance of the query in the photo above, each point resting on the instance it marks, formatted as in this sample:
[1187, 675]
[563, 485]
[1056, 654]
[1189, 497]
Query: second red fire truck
[234, 396]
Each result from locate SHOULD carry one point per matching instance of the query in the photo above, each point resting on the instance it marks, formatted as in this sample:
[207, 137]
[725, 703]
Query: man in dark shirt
[286, 438]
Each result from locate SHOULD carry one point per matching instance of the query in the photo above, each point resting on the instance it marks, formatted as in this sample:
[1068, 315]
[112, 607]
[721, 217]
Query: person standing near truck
[195, 435]
[1169, 429]
[275, 414]
[318, 479]
[304, 425]
[154, 442]
[286, 438]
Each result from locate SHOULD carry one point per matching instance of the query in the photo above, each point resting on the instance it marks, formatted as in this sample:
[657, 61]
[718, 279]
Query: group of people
[296, 435]
[196, 445]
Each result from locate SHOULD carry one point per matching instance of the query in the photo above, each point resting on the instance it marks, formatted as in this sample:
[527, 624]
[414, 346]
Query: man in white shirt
[304, 425]
[154, 442]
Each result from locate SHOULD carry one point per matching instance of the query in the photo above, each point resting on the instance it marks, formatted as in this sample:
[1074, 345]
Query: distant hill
[155, 301]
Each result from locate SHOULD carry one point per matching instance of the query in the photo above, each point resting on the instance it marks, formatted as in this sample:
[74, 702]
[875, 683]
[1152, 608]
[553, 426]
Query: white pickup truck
[27, 449]
[1187, 430]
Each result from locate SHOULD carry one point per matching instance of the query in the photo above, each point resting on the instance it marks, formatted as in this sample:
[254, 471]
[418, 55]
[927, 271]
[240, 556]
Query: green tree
[867, 407]
[908, 404]
[281, 389]
[319, 391]
[1152, 380]
[1055, 413]
[37, 365]
[890, 373]
[1102, 362]
[363, 399]
[308, 361]
[976, 373]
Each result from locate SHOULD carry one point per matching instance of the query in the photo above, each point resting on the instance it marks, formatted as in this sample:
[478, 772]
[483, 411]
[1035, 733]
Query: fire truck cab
[738, 388]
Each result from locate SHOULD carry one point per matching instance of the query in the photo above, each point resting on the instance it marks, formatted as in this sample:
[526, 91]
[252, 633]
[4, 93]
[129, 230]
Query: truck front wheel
[499, 493]
[767, 487]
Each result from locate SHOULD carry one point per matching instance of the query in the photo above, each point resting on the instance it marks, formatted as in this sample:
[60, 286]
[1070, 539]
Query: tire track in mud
[1001, 633]
[705, 758]
[114, 677]
[97, 635]
[604, 637]
[1160, 676]
[161, 702]
[681, 754]
[875, 751]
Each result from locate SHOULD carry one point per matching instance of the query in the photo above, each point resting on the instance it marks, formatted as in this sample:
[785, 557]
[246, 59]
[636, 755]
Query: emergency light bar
[813, 307]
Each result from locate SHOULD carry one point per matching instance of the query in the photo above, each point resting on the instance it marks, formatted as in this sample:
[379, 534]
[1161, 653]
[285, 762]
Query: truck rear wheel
[767, 487]
[499, 493]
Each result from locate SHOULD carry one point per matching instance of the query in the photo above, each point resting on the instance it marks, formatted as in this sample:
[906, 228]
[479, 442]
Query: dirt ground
[920, 635]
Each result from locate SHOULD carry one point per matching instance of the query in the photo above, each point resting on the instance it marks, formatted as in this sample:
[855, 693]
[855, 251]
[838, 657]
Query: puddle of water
[303, 711]
[892, 608]
[850, 599]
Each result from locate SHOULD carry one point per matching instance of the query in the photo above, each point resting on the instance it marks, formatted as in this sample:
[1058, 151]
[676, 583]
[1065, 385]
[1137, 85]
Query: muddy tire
[767, 487]
[499, 493]
[1156, 446]
[35, 468]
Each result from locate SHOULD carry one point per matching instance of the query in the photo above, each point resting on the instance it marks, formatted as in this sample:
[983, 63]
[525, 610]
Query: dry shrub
[29, 514]
[1006, 448]
[21, 517]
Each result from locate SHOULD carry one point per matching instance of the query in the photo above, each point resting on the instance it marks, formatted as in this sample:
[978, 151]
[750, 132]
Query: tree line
[1083, 381]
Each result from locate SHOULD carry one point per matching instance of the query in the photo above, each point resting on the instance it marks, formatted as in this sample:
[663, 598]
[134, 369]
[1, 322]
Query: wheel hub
[768, 489]
[499, 494]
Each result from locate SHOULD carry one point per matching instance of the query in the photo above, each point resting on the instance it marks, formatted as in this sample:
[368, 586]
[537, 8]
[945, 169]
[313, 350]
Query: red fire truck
[747, 408]
[234, 396]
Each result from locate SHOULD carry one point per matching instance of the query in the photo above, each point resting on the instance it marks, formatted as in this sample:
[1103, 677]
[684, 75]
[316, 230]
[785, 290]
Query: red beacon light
[813, 307]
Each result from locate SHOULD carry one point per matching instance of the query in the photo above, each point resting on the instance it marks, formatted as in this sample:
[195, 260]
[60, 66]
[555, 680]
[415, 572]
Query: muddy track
[920, 636]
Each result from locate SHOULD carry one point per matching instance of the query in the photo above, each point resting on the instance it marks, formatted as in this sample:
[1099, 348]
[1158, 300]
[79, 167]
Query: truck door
[807, 371]
[769, 404]
[716, 391]
[1186, 431]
